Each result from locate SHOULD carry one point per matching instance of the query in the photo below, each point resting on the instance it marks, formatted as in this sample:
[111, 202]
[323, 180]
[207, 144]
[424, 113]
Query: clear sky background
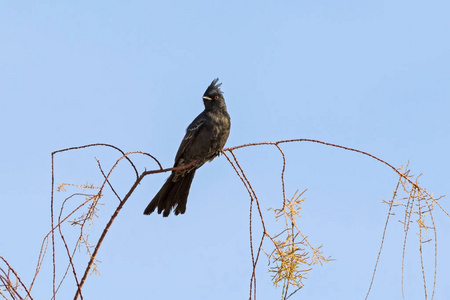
[372, 75]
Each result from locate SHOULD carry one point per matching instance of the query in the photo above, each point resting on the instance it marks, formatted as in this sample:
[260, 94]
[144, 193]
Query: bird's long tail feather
[173, 194]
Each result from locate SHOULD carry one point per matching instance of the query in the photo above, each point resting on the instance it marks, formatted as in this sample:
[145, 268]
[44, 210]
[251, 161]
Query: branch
[116, 212]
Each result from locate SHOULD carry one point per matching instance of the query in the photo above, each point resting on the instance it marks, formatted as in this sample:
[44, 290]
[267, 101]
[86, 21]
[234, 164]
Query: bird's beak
[207, 98]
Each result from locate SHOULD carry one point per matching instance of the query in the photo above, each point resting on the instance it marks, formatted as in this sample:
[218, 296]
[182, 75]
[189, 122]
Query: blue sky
[372, 75]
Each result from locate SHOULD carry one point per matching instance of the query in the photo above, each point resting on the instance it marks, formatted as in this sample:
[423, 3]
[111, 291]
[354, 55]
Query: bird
[204, 139]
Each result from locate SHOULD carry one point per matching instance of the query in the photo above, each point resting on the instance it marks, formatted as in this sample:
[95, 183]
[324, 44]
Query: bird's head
[213, 92]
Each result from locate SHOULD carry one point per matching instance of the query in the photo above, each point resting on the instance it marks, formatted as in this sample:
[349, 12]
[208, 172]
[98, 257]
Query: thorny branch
[289, 261]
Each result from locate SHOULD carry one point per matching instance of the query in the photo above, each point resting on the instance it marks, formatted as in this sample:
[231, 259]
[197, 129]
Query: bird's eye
[216, 97]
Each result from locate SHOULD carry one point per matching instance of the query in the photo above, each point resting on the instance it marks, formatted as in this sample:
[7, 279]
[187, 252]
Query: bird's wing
[191, 133]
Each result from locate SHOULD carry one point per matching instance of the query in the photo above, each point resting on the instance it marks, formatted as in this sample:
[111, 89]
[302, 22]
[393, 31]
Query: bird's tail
[173, 194]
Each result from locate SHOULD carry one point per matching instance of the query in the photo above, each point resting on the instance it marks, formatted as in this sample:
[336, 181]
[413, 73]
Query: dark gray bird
[205, 137]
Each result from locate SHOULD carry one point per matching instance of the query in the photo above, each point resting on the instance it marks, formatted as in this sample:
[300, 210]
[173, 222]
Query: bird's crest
[213, 88]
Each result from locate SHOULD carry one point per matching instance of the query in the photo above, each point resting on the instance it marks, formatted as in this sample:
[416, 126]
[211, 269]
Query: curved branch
[323, 143]
[116, 212]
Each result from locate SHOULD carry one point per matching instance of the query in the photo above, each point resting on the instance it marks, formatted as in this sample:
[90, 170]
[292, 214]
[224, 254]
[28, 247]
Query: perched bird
[204, 139]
